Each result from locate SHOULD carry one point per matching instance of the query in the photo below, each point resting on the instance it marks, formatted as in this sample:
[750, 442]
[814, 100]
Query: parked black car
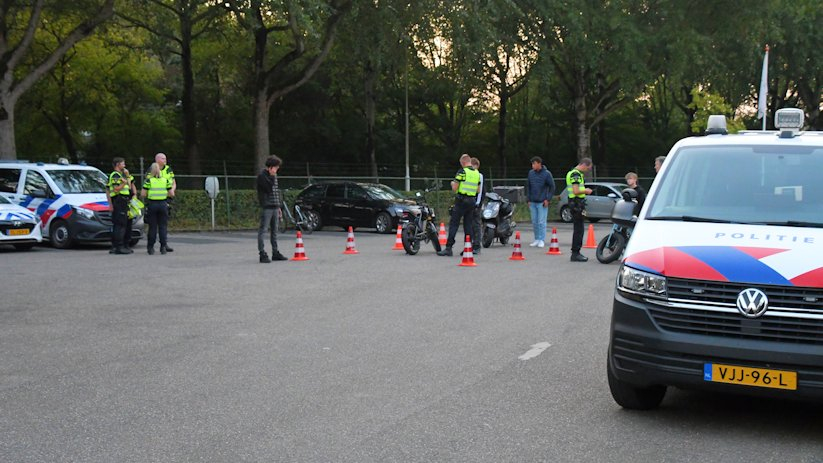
[344, 204]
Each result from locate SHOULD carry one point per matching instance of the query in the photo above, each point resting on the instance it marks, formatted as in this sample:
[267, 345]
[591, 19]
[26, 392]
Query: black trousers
[577, 225]
[157, 215]
[119, 220]
[463, 209]
[478, 227]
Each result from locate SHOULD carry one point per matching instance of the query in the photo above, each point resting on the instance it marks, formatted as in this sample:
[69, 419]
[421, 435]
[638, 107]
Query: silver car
[599, 204]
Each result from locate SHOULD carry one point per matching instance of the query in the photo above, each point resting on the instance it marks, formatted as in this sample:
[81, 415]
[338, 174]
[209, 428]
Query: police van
[69, 199]
[721, 284]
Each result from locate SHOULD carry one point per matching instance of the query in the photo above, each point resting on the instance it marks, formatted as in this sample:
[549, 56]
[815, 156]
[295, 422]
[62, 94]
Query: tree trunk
[370, 110]
[190, 145]
[261, 128]
[501, 132]
[584, 143]
[8, 150]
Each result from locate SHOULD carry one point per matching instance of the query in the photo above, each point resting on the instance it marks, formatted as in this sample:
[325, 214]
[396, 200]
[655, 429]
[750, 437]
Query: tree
[16, 45]
[301, 34]
[178, 23]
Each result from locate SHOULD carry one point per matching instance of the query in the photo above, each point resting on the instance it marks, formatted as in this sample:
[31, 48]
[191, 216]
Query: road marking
[536, 350]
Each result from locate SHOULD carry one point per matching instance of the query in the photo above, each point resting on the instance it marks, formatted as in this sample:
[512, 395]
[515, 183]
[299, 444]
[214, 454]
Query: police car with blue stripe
[721, 284]
[70, 201]
[18, 226]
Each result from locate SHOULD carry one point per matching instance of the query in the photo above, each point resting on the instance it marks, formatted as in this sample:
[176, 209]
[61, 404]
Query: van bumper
[643, 354]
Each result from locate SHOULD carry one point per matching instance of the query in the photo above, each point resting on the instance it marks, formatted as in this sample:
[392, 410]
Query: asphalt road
[206, 355]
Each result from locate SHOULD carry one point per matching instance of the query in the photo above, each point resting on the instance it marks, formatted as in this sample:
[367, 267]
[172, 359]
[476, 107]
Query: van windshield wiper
[689, 218]
[792, 223]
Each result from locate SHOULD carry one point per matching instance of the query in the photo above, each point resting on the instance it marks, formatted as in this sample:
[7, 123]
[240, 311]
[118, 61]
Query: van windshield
[742, 184]
[79, 181]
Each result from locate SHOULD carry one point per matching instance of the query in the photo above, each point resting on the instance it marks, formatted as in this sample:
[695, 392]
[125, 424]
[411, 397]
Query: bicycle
[299, 220]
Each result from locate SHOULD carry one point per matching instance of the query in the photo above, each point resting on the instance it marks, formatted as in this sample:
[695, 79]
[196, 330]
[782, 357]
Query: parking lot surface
[206, 355]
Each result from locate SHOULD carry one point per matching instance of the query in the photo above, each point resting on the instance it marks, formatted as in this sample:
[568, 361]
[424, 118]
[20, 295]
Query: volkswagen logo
[752, 302]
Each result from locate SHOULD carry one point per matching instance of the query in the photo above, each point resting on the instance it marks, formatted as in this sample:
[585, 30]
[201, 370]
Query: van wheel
[60, 235]
[632, 397]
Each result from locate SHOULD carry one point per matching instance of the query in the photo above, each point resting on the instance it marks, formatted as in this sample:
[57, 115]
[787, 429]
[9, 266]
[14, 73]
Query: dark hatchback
[344, 204]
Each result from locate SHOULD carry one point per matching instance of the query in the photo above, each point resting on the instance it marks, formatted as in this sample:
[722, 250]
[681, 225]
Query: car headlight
[644, 283]
[87, 213]
[399, 210]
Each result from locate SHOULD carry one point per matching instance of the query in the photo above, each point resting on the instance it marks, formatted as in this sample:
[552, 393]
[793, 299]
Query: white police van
[721, 284]
[69, 199]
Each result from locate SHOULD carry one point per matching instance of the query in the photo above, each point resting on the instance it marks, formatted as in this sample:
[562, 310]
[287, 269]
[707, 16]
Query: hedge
[192, 209]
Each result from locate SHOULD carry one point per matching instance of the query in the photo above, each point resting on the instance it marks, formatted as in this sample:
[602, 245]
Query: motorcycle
[418, 226]
[497, 222]
[611, 247]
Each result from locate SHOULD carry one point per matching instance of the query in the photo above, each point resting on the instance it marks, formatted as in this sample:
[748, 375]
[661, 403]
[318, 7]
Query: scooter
[498, 213]
[611, 247]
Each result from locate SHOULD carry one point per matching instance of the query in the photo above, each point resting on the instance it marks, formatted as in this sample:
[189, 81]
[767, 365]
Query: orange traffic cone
[590, 242]
[350, 249]
[554, 245]
[299, 251]
[441, 236]
[517, 254]
[468, 255]
[398, 242]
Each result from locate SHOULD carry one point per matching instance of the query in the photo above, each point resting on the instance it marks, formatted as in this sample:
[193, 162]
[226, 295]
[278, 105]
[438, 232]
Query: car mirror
[623, 213]
[39, 194]
[613, 195]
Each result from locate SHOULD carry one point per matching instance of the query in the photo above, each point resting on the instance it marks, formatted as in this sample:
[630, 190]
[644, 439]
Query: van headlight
[87, 213]
[639, 282]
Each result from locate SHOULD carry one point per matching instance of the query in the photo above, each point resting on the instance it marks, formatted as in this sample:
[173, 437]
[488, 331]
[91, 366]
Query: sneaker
[275, 255]
[150, 251]
[168, 249]
[541, 244]
[577, 257]
[476, 251]
[122, 251]
[445, 252]
[264, 259]
[535, 243]
[163, 250]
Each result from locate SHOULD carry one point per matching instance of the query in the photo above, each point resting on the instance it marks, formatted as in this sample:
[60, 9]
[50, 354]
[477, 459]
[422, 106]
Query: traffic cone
[350, 249]
[554, 245]
[299, 251]
[517, 254]
[468, 255]
[441, 236]
[398, 242]
[590, 242]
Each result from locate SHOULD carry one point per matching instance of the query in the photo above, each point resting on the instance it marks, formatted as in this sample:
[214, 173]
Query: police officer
[577, 191]
[155, 190]
[465, 184]
[119, 195]
[168, 174]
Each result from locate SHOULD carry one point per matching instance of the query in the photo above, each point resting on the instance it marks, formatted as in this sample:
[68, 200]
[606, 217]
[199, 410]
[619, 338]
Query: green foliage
[706, 104]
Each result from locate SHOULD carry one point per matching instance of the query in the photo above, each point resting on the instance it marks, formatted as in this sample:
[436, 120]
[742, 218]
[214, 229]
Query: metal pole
[228, 203]
[408, 178]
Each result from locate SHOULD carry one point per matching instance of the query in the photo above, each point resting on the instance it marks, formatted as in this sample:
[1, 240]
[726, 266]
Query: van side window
[9, 178]
[35, 181]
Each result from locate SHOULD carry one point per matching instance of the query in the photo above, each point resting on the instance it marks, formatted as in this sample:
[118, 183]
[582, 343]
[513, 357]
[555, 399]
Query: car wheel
[382, 223]
[60, 235]
[23, 246]
[314, 220]
[632, 397]
[565, 214]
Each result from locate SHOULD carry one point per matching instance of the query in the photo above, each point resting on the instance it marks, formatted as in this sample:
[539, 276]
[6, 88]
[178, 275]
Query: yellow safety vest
[117, 180]
[157, 188]
[580, 186]
[469, 182]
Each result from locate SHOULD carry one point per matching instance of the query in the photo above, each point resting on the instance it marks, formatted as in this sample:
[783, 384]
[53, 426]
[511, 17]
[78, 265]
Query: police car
[69, 199]
[18, 226]
[721, 284]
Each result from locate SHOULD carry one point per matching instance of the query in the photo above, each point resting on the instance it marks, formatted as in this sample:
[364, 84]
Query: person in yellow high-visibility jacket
[466, 184]
[155, 191]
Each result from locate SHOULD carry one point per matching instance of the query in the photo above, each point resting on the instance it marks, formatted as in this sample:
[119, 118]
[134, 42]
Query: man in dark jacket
[268, 193]
[540, 188]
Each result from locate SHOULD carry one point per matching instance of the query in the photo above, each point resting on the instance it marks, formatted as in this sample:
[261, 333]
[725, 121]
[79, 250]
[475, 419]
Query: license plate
[746, 376]
[18, 231]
